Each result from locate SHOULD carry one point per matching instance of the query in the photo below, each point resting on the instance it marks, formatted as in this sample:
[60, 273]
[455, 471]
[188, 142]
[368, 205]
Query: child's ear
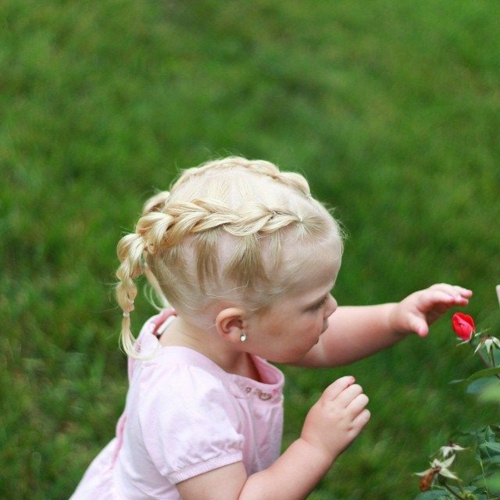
[229, 324]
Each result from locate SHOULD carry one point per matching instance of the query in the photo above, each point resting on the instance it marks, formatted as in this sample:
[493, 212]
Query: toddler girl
[243, 260]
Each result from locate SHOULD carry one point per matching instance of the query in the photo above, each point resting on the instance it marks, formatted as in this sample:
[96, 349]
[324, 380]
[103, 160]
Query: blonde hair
[219, 235]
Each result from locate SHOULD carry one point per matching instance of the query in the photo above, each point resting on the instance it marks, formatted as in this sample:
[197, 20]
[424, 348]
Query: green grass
[392, 111]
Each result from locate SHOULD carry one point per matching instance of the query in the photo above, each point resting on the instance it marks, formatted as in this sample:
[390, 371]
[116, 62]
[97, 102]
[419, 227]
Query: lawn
[392, 111]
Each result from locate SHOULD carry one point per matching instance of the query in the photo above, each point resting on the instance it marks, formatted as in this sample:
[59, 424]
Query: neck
[209, 343]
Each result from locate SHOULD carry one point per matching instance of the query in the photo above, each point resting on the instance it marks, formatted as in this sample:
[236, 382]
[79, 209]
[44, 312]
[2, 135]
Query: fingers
[419, 310]
[352, 393]
[432, 304]
[350, 396]
[337, 387]
[442, 298]
[337, 418]
[450, 294]
[434, 301]
[358, 403]
[356, 409]
[354, 401]
[362, 419]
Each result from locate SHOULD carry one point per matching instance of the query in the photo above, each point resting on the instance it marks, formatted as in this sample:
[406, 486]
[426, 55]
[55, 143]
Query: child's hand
[337, 418]
[420, 309]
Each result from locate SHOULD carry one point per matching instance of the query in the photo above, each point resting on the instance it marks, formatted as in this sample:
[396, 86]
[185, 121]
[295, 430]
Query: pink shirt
[185, 416]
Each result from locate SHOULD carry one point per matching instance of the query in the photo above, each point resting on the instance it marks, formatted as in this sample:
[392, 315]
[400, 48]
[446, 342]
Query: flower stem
[477, 350]
[491, 363]
[454, 493]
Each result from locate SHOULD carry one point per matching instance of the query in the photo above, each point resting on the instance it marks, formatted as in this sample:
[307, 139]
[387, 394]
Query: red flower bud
[463, 326]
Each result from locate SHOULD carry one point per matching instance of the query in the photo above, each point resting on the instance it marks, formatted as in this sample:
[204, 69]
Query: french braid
[262, 167]
[177, 241]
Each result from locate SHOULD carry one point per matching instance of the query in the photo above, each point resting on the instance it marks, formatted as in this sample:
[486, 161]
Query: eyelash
[319, 305]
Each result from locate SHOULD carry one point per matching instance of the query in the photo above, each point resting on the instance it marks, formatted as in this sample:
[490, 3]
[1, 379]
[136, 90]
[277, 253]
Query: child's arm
[355, 332]
[331, 425]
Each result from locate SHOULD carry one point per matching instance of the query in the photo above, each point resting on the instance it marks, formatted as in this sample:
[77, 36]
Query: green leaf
[492, 460]
[489, 449]
[433, 495]
[480, 385]
[490, 393]
[485, 435]
[493, 483]
[487, 372]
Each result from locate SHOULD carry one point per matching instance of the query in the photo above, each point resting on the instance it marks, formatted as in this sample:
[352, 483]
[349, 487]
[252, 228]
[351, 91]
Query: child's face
[293, 324]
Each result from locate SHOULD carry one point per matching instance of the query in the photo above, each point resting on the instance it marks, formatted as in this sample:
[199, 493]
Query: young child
[243, 260]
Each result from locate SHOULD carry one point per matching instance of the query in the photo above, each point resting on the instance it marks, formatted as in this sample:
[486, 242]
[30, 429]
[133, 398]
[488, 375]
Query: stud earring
[243, 337]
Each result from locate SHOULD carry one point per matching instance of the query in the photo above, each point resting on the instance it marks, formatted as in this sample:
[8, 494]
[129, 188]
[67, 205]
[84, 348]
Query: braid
[256, 217]
[219, 231]
[290, 179]
[153, 229]
[156, 202]
[262, 167]
[198, 216]
[205, 219]
[130, 250]
[169, 228]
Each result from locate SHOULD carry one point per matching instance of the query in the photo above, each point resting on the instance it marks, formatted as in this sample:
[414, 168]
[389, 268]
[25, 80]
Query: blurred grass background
[392, 111]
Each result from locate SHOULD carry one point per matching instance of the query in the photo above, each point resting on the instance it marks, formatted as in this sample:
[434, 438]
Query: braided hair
[220, 234]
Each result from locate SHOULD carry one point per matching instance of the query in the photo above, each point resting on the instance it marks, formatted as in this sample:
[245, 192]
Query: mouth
[323, 330]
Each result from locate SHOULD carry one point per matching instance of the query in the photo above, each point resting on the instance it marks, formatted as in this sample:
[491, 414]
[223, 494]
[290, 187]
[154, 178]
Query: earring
[243, 337]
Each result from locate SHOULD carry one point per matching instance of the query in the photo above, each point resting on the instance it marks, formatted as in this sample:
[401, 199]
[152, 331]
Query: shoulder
[186, 416]
[181, 380]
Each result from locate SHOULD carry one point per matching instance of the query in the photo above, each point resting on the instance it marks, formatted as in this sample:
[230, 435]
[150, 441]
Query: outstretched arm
[355, 332]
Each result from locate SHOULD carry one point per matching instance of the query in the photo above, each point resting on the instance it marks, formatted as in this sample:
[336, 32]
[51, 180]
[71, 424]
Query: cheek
[315, 323]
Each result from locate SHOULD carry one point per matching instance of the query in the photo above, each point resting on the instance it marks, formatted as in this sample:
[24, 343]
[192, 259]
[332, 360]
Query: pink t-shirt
[184, 416]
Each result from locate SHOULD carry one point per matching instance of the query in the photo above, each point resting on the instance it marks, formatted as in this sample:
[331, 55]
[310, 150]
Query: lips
[325, 327]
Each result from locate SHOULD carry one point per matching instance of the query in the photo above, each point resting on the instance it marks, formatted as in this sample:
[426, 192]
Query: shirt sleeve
[189, 423]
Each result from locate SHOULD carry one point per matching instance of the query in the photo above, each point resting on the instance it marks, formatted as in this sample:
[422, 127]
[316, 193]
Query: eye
[320, 304]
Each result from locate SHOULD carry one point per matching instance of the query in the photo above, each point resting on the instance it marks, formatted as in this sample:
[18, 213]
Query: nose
[331, 306]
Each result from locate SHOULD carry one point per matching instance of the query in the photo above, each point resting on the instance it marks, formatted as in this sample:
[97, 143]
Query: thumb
[419, 326]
